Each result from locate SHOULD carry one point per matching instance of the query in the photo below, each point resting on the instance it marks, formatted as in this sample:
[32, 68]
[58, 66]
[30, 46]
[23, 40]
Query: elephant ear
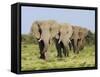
[35, 30]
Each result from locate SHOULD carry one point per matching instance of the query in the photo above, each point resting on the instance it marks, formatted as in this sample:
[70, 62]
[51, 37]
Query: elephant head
[75, 37]
[64, 35]
[83, 33]
[44, 31]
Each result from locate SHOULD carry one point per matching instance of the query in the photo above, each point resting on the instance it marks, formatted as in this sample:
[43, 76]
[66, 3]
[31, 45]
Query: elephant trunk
[75, 46]
[45, 49]
[66, 47]
[45, 44]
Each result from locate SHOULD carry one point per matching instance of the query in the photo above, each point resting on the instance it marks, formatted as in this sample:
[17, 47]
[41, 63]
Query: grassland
[30, 58]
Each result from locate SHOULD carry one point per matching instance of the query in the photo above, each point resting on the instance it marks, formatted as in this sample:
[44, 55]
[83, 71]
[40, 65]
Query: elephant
[63, 34]
[62, 39]
[44, 31]
[83, 35]
[78, 38]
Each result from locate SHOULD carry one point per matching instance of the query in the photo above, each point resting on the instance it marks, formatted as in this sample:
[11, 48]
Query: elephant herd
[65, 37]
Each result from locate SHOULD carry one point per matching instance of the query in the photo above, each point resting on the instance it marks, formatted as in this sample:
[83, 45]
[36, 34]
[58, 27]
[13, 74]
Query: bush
[90, 39]
[28, 39]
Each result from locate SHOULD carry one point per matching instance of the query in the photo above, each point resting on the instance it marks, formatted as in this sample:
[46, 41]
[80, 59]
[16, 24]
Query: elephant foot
[42, 57]
[74, 52]
[77, 52]
[67, 55]
[59, 56]
[81, 48]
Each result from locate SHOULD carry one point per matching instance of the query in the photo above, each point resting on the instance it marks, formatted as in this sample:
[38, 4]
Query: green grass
[30, 58]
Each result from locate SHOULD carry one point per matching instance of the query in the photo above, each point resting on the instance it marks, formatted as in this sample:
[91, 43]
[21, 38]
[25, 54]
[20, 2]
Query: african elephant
[78, 38]
[44, 31]
[63, 39]
[83, 35]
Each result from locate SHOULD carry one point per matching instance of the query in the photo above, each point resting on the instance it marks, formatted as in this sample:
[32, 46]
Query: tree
[90, 39]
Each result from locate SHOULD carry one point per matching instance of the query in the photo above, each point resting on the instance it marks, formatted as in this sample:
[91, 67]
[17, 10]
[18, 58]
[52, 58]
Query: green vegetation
[28, 39]
[30, 58]
[90, 39]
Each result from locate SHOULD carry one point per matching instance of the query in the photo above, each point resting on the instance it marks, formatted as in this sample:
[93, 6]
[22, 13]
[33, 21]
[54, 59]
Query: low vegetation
[30, 58]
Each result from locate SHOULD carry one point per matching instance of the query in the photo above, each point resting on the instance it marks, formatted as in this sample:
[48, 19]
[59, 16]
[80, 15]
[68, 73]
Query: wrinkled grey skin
[62, 39]
[78, 38]
[44, 31]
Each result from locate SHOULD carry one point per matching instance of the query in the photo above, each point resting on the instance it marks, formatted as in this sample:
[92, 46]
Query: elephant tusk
[69, 41]
[39, 39]
[59, 41]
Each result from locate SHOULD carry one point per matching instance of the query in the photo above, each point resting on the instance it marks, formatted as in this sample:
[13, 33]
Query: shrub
[28, 39]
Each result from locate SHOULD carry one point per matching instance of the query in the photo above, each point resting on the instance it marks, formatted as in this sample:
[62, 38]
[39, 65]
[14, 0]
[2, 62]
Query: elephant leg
[65, 49]
[82, 43]
[61, 46]
[72, 41]
[41, 46]
[70, 45]
[75, 46]
[43, 49]
[79, 44]
[59, 51]
[58, 47]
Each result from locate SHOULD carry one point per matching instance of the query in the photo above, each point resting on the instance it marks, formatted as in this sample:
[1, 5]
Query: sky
[84, 18]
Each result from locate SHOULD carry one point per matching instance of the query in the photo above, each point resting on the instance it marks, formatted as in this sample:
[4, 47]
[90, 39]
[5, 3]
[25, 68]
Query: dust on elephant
[63, 39]
[78, 38]
[44, 31]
